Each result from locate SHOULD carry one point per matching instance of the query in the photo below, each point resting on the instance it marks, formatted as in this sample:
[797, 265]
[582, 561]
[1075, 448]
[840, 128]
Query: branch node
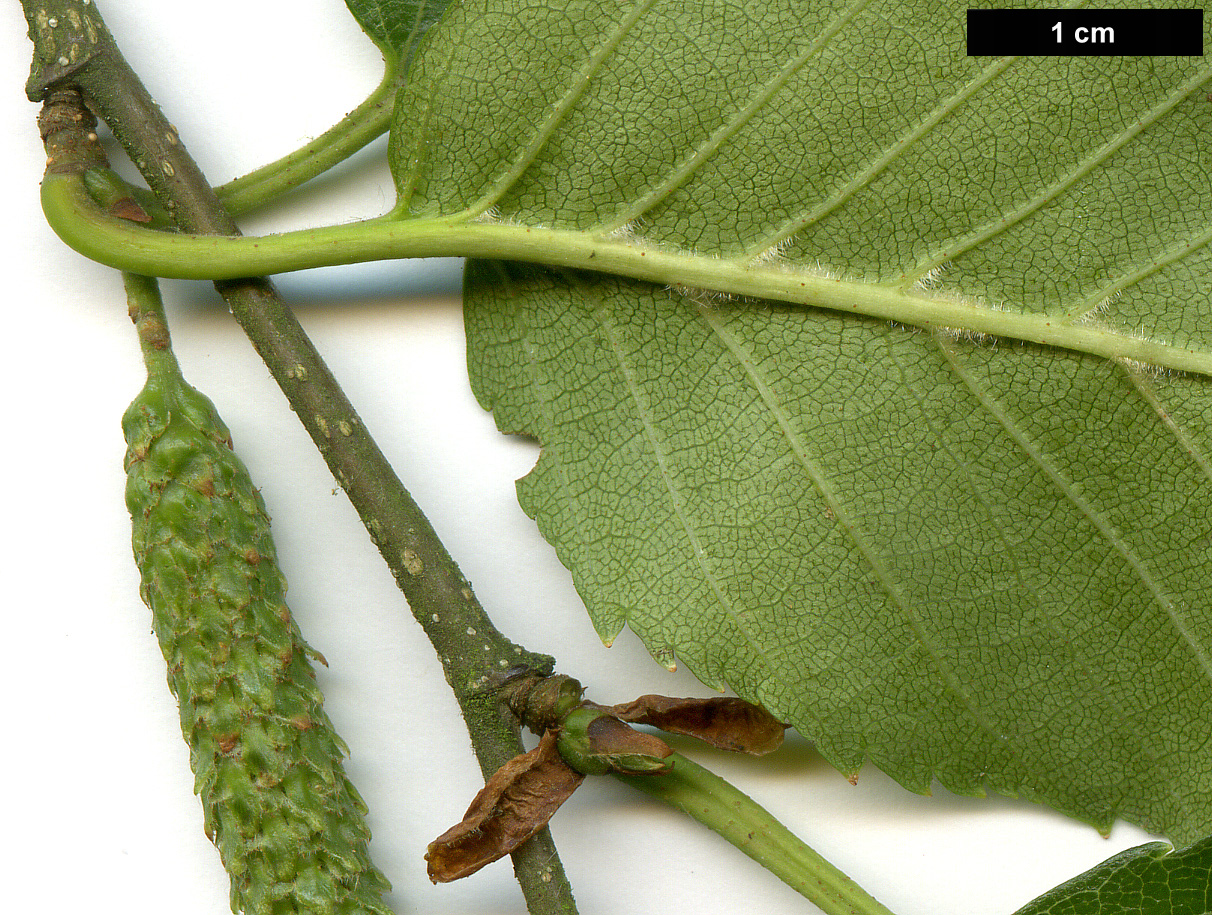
[67, 37]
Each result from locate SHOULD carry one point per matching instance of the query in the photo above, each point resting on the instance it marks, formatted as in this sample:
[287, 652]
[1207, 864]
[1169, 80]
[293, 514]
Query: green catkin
[267, 764]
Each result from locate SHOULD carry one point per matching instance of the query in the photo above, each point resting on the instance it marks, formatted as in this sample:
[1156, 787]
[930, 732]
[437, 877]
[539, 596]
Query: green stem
[147, 311]
[719, 806]
[358, 128]
[437, 593]
[127, 246]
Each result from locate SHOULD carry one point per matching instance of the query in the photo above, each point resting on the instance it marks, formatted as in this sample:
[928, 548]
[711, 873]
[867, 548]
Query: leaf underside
[981, 563]
[1150, 878]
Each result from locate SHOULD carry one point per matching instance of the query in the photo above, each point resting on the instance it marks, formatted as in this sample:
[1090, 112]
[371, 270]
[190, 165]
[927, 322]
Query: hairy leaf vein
[879, 163]
[1094, 301]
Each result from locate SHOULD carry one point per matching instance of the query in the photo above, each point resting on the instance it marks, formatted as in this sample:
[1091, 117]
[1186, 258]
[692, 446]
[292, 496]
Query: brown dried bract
[610, 737]
[515, 804]
[724, 723]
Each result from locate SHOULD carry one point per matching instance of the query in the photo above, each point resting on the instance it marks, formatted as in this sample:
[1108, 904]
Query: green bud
[123, 200]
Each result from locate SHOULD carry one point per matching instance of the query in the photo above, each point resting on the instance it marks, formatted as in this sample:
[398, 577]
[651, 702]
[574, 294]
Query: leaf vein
[846, 522]
[675, 499]
[1055, 189]
[1151, 397]
[1087, 509]
[860, 180]
[1143, 739]
[708, 147]
[558, 112]
[574, 508]
[1094, 301]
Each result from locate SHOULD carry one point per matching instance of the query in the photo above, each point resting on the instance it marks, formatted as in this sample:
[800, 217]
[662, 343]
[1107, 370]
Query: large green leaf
[984, 563]
[1153, 879]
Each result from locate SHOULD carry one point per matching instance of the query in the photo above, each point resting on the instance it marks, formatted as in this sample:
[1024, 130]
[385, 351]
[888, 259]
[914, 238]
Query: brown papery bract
[516, 803]
[722, 722]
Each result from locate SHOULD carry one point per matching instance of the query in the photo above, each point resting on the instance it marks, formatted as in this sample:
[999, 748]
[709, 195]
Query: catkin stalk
[267, 764]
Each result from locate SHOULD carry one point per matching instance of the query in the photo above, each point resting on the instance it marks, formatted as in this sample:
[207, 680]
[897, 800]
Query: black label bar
[1086, 33]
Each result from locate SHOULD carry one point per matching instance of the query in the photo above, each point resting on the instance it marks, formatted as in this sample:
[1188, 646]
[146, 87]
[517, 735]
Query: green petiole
[127, 246]
[358, 128]
[736, 817]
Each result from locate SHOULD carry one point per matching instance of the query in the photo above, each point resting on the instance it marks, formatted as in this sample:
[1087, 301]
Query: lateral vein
[692, 163]
[1091, 513]
[845, 519]
[879, 163]
[676, 501]
[1001, 223]
[1091, 303]
[558, 112]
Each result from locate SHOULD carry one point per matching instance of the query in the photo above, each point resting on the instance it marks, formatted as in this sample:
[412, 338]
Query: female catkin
[267, 764]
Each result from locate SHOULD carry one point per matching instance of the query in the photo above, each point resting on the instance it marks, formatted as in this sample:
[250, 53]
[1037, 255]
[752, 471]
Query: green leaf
[1150, 878]
[984, 564]
[397, 26]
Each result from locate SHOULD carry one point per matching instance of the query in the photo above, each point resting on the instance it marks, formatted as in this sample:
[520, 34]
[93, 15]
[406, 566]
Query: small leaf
[516, 803]
[397, 26]
[722, 722]
[1151, 879]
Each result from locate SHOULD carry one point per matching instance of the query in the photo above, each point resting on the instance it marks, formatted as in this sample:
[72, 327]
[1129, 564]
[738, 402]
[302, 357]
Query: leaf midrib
[1073, 313]
[1046, 330]
[127, 246]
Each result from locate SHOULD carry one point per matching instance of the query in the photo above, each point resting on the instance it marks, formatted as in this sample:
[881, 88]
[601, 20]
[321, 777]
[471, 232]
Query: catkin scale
[267, 763]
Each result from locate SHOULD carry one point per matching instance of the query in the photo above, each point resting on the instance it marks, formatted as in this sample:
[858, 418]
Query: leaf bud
[594, 743]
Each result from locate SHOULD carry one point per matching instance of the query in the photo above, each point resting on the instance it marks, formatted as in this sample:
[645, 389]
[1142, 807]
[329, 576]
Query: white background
[97, 792]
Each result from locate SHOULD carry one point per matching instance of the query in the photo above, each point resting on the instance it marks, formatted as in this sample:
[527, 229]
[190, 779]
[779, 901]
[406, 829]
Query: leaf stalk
[361, 126]
[134, 248]
[718, 805]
